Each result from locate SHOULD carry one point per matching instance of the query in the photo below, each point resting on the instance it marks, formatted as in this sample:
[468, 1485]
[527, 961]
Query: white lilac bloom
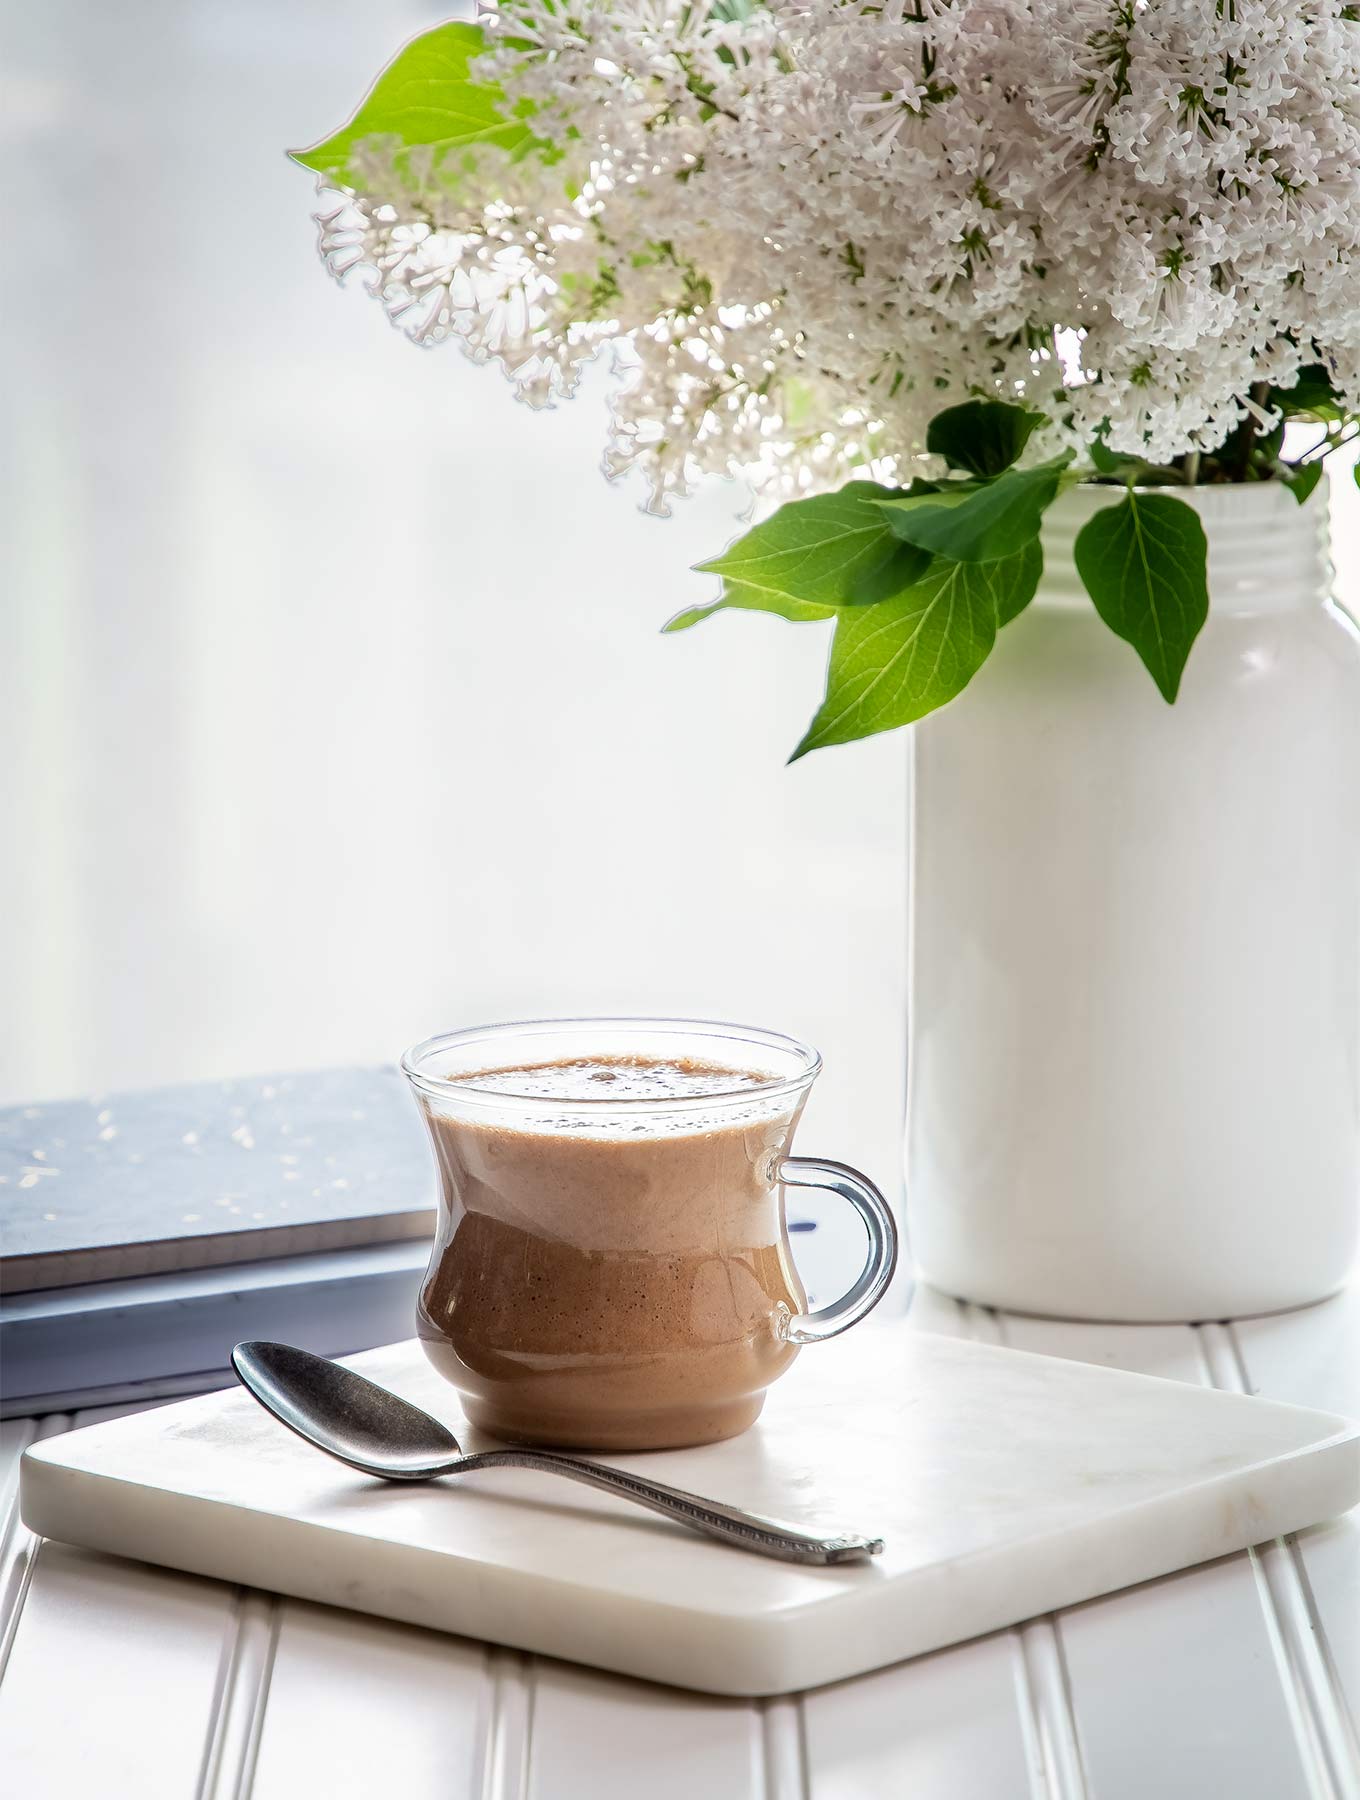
[809, 225]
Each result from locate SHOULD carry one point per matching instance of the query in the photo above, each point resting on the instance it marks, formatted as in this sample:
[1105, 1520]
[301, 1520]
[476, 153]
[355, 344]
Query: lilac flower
[807, 226]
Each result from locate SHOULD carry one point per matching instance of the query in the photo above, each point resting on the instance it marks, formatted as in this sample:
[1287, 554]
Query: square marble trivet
[1004, 1484]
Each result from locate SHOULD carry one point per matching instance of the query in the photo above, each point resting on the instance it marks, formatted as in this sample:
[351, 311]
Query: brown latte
[609, 1281]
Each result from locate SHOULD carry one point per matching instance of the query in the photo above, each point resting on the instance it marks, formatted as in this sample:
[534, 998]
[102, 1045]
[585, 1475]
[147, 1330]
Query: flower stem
[1260, 393]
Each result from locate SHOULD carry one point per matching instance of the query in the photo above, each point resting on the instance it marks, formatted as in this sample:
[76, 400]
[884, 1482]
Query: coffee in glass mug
[611, 1268]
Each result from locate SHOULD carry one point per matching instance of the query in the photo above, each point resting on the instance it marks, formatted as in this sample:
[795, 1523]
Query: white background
[335, 706]
[333, 702]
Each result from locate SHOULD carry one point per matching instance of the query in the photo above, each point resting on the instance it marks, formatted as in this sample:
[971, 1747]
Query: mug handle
[864, 1296]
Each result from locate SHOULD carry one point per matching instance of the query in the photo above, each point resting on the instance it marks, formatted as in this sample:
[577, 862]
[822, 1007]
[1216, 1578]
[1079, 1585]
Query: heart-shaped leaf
[981, 437]
[1114, 462]
[798, 612]
[1015, 580]
[426, 102]
[1144, 563]
[1312, 396]
[812, 556]
[978, 521]
[899, 660]
[1302, 478]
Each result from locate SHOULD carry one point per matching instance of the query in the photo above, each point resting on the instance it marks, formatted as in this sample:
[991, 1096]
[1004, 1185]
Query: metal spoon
[380, 1434]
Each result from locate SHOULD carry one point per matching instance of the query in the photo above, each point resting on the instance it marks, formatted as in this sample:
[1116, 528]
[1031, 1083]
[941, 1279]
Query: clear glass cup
[615, 1274]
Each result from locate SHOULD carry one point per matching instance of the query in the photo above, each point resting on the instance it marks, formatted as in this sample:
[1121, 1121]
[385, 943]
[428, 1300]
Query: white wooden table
[1240, 1679]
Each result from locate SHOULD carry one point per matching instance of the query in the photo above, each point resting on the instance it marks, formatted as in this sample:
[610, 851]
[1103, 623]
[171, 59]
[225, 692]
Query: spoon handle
[767, 1537]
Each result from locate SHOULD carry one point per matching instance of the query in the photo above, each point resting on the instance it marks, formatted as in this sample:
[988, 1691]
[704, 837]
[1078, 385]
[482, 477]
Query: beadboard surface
[1241, 1677]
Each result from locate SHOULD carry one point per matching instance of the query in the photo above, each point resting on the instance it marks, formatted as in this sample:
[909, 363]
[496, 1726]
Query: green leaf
[812, 556]
[981, 437]
[799, 612]
[1105, 460]
[426, 101]
[1144, 564]
[1311, 396]
[899, 660]
[1302, 478]
[978, 521]
[903, 565]
[1015, 580]
[1114, 462]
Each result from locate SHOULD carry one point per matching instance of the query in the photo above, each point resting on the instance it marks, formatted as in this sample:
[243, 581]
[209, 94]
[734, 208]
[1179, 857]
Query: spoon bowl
[342, 1412]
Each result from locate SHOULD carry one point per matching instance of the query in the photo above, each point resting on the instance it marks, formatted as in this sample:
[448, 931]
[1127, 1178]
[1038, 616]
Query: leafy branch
[920, 580]
[917, 581]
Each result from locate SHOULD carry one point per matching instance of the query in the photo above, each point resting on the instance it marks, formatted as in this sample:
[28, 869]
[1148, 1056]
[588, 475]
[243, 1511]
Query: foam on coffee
[598, 1096]
[605, 1078]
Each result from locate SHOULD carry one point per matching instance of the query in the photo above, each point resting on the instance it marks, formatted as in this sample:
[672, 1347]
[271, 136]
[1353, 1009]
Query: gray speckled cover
[210, 1173]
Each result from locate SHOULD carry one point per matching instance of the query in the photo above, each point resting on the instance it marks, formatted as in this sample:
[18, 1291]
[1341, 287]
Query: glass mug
[615, 1273]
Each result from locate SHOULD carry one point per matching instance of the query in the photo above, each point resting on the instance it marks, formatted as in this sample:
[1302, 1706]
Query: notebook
[209, 1174]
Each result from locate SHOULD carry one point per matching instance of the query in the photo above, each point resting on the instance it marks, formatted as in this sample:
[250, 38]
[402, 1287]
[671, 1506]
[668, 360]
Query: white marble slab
[1005, 1485]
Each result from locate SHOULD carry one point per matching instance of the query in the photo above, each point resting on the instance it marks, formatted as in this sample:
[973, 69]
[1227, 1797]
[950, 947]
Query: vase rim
[1267, 553]
[1215, 492]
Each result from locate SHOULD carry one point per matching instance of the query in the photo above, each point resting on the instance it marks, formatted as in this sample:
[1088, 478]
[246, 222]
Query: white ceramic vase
[1134, 1034]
